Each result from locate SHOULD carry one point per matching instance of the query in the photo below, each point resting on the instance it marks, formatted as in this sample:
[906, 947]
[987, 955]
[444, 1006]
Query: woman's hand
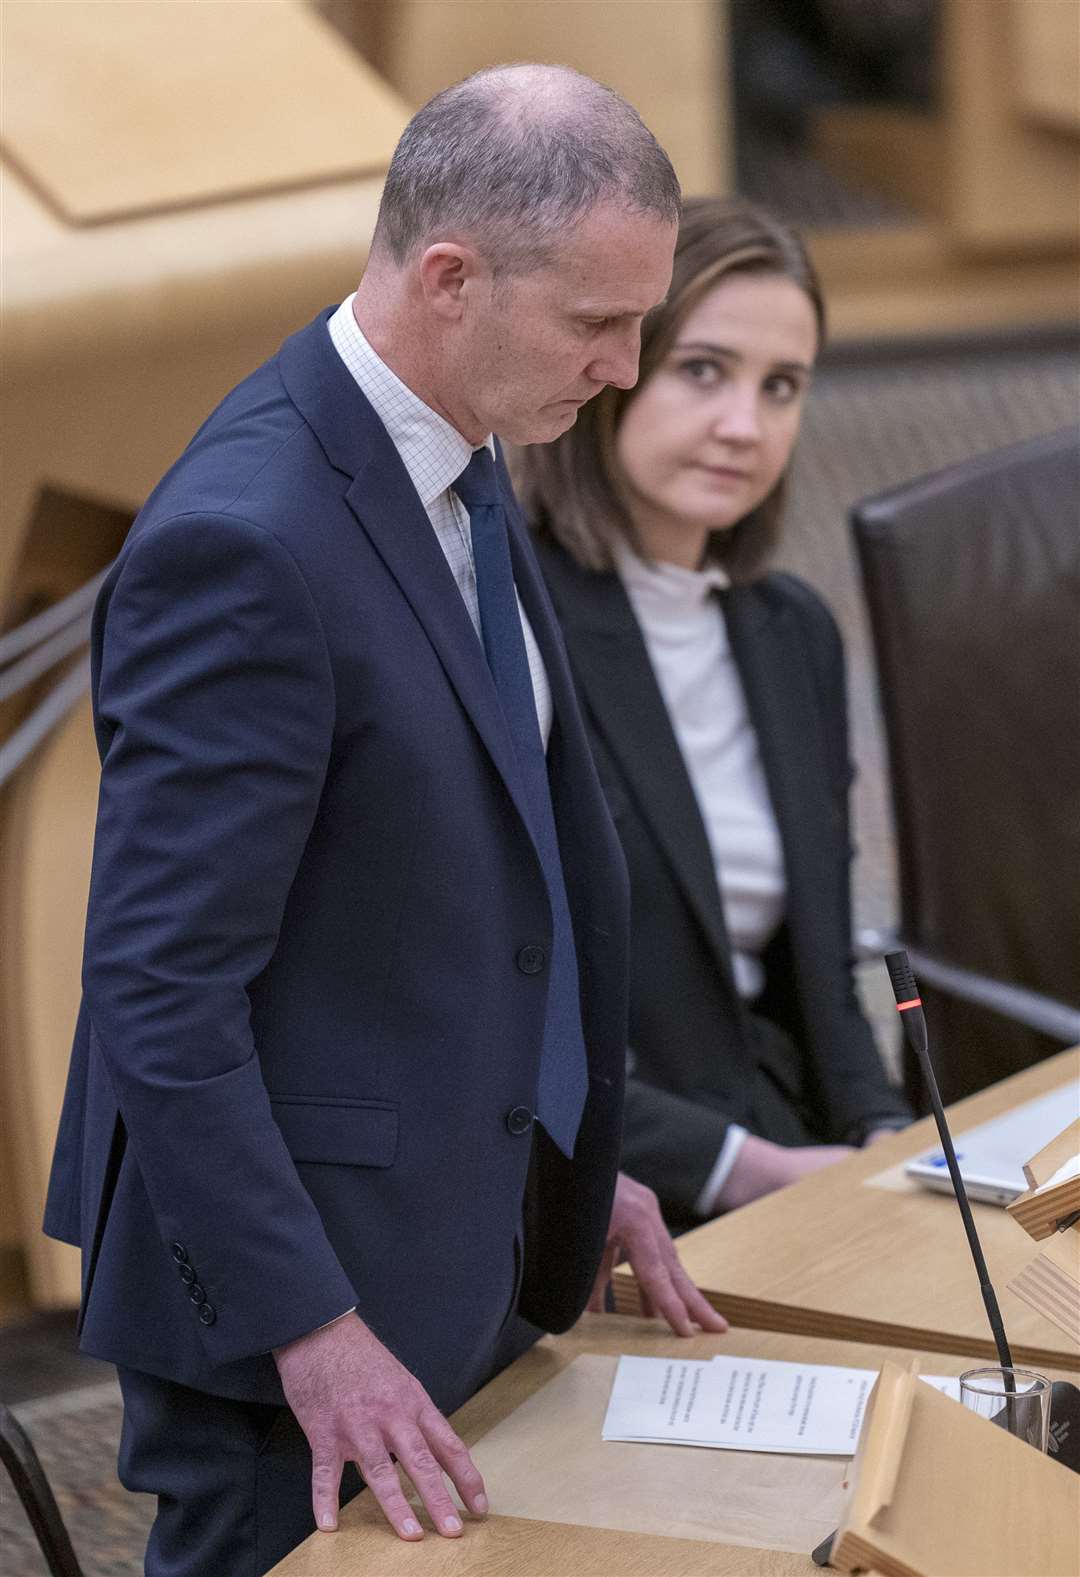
[762, 1167]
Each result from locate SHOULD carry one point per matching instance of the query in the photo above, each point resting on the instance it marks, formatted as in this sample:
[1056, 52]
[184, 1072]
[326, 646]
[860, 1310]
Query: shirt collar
[433, 452]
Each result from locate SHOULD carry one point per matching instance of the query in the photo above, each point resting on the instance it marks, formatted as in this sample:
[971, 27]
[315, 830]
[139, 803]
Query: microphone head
[900, 973]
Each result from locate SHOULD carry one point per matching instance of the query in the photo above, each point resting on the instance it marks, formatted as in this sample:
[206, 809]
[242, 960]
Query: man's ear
[447, 268]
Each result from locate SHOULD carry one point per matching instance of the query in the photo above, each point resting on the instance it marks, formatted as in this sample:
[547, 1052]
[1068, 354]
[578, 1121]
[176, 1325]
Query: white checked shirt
[434, 454]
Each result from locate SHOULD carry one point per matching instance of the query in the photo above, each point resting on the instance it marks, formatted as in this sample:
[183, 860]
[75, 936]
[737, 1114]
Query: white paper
[744, 1404]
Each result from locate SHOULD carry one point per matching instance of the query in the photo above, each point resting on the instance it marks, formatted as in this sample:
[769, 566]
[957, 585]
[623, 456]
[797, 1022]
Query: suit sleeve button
[187, 1274]
[196, 1293]
[207, 1314]
[179, 1253]
[519, 1119]
[531, 959]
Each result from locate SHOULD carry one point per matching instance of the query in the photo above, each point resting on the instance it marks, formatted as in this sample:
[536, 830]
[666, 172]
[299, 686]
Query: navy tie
[563, 1067]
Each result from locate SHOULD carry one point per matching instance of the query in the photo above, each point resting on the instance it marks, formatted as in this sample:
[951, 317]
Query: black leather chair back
[972, 577]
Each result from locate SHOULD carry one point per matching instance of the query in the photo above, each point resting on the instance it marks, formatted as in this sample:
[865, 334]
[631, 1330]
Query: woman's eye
[699, 371]
[783, 387]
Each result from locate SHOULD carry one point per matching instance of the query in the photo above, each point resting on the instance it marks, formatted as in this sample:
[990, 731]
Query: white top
[434, 454]
[687, 641]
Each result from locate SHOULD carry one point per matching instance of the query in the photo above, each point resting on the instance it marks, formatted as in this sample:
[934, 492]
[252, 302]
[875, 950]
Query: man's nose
[618, 361]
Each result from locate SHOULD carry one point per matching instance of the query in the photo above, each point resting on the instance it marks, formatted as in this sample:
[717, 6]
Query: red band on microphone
[902, 1007]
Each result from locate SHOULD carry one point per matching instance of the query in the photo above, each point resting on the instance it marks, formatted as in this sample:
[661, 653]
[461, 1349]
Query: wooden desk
[858, 1253]
[738, 1484]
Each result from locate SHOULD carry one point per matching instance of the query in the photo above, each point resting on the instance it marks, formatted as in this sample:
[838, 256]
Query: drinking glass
[1016, 1399]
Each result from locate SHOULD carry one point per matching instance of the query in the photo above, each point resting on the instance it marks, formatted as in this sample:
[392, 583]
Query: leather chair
[972, 578]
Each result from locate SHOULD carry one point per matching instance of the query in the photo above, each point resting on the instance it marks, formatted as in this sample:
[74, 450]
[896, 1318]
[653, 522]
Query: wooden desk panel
[859, 1254]
[504, 1546]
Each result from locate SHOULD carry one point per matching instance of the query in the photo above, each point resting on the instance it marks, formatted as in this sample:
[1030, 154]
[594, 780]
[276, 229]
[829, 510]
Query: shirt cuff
[867, 1125]
[334, 1321]
[705, 1203]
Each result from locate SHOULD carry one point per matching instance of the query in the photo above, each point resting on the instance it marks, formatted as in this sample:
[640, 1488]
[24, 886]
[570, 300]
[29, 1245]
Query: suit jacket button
[531, 959]
[519, 1119]
[207, 1314]
[179, 1253]
[196, 1293]
[187, 1274]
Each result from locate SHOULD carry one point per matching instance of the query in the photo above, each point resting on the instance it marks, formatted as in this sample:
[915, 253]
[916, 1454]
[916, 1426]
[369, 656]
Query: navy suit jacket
[305, 1022]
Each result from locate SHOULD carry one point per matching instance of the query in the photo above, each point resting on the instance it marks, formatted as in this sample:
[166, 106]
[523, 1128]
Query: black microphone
[1064, 1440]
[909, 1006]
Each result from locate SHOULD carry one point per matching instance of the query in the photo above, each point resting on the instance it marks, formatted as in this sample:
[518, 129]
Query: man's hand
[356, 1403]
[761, 1167]
[637, 1234]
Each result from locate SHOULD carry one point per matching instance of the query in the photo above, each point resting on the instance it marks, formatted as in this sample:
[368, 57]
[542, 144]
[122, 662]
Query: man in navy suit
[345, 1098]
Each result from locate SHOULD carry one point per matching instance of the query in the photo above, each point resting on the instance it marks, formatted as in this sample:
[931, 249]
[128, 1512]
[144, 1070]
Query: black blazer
[699, 1059]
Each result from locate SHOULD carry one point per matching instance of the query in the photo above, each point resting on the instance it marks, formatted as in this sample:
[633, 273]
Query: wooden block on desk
[1051, 1283]
[837, 1254]
[936, 1489]
[1041, 1209]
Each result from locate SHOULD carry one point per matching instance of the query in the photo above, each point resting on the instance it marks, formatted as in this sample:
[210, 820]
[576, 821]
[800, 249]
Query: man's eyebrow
[714, 349]
[612, 314]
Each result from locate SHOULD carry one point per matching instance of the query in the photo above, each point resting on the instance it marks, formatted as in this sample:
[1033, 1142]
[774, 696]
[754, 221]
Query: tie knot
[477, 486]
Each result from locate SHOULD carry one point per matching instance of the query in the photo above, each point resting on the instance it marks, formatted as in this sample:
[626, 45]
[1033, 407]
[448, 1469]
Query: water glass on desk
[1016, 1399]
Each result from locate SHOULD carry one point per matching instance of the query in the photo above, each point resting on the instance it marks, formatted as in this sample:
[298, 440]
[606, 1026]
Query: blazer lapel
[612, 665]
[386, 505]
[785, 711]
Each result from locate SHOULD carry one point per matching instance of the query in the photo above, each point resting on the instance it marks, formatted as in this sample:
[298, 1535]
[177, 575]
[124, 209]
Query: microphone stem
[993, 1313]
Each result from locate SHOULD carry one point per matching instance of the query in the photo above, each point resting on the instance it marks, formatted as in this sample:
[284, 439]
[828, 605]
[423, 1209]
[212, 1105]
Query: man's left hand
[637, 1234]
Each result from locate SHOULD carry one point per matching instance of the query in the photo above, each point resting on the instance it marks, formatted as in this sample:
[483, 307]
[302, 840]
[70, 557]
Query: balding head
[513, 158]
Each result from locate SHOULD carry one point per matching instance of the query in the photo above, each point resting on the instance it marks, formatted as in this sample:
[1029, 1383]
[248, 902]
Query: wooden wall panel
[669, 59]
[1011, 185]
[1046, 35]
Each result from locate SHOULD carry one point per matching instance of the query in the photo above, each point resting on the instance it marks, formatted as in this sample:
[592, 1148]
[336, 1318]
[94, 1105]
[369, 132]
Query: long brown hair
[572, 490]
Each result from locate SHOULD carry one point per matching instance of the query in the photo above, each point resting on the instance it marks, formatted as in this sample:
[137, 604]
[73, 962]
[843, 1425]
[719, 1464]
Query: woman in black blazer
[714, 693]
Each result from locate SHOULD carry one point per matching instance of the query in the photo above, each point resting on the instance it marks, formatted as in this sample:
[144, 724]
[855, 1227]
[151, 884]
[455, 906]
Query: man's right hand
[356, 1403]
[761, 1167]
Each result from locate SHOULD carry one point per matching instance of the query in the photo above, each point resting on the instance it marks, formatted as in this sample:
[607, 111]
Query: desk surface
[527, 1546]
[859, 1253]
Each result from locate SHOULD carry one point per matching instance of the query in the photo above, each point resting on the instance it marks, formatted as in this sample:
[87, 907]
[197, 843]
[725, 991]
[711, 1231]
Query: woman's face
[710, 433]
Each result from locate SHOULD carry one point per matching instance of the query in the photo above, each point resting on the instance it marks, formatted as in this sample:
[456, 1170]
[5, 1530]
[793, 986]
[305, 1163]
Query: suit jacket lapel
[785, 711]
[386, 505]
[613, 668]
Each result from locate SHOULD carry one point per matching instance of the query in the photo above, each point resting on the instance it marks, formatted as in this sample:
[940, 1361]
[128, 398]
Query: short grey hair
[514, 156]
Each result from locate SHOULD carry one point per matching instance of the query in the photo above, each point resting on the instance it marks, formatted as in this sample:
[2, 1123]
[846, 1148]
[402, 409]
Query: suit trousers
[232, 1479]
